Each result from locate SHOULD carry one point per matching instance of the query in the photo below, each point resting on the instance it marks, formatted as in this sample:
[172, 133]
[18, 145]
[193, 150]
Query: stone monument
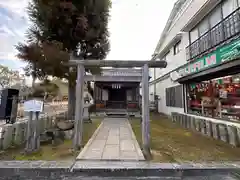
[88, 102]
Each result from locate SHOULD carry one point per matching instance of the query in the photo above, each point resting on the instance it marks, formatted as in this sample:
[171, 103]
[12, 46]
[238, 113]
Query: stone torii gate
[81, 77]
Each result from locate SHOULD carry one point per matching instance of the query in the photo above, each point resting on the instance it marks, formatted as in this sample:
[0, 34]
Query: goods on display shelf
[225, 91]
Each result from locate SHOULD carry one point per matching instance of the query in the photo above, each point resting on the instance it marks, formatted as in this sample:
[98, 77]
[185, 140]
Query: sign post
[33, 107]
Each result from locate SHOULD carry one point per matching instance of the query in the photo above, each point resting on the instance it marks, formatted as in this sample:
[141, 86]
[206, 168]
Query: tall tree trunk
[33, 81]
[71, 100]
[34, 76]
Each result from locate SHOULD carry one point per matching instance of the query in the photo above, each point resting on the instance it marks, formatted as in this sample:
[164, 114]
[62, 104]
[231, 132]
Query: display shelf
[230, 98]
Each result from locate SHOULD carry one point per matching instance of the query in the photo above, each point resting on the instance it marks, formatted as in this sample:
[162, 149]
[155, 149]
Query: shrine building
[118, 91]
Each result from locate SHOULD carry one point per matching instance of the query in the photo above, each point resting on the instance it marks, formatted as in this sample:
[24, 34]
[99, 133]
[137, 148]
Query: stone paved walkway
[113, 140]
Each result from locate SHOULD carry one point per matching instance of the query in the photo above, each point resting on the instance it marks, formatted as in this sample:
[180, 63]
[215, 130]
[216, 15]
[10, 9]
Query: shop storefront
[212, 83]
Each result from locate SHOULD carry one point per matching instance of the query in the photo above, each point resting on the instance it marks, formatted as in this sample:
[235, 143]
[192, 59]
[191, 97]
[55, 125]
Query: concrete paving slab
[97, 155]
[111, 152]
[98, 145]
[128, 155]
[114, 132]
[113, 140]
[127, 145]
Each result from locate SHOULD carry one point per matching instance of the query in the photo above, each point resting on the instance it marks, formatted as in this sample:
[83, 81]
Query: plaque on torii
[117, 75]
[142, 76]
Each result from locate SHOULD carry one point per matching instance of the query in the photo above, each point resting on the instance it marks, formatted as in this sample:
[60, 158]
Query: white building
[204, 25]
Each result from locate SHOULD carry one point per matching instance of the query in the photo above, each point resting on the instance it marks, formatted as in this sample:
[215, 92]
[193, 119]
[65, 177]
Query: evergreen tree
[58, 26]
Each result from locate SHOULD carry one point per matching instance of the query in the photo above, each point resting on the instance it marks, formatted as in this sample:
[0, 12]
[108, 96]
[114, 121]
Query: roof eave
[173, 13]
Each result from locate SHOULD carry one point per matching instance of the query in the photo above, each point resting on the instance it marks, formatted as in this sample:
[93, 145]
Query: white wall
[161, 86]
[188, 10]
[177, 60]
[151, 92]
[151, 73]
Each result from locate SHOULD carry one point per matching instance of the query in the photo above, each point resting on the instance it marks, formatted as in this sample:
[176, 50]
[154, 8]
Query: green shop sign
[220, 55]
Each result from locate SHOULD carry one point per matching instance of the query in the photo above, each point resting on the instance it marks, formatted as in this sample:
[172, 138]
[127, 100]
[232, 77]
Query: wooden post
[145, 112]
[77, 142]
[37, 133]
[29, 133]
[14, 110]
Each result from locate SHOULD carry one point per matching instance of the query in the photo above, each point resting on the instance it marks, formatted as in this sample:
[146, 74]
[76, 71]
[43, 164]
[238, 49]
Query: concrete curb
[226, 131]
[56, 170]
[82, 153]
[145, 169]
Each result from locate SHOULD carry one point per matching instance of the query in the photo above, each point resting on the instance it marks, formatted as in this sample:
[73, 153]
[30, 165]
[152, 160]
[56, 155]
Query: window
[174, 96]
[228, 7]
[215, 17]
[204, 42]
[194, 48]
[231, 24]
[203, 27]
[176, 48]
[217, 98]
[217, 34]
[194, 35]
[210, 32]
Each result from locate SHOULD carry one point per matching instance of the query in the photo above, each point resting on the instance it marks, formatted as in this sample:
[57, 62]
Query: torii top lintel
[118, 64]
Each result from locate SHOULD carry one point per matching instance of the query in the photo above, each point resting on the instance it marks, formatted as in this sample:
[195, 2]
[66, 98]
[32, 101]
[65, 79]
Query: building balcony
[223, 32]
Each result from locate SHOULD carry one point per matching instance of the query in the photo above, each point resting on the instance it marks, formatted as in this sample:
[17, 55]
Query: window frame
[176, 48]
[172, 96]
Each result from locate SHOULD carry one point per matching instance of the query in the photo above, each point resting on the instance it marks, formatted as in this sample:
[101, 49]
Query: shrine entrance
[117, 98]
[133, 76]
[112, 96]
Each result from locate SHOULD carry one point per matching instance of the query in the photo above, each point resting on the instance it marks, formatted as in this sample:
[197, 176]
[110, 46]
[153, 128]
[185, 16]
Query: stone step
[117, 115]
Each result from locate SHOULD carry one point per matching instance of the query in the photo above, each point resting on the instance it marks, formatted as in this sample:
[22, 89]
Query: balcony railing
[225, 30]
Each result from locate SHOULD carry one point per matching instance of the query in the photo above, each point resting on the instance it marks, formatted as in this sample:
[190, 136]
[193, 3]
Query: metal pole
[79, 108]
[145, 111]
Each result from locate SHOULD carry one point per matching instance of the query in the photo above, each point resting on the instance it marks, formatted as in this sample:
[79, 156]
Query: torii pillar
[145, 111]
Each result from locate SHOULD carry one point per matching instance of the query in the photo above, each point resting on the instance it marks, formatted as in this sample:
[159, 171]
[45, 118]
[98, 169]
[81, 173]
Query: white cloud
[135, 27]
[13, 25]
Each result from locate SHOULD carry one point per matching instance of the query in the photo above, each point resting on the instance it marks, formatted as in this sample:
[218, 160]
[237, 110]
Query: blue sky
[135, 27]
